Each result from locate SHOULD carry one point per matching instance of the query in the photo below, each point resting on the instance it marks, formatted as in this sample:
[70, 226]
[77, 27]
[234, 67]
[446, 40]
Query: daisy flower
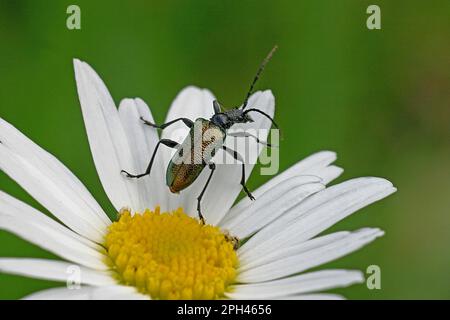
[157, 248]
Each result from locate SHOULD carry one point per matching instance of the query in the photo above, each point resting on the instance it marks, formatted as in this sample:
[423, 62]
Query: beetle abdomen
[181, 176]
[202, 142]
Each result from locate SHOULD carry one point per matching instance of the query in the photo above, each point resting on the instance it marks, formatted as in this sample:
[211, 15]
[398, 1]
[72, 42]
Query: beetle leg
[186, 121]
[212, 166]
[238, 157]
[249, 135]
[166, 142]
[244, 186]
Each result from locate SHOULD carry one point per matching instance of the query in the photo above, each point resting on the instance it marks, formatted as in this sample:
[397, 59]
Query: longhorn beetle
[182, 170]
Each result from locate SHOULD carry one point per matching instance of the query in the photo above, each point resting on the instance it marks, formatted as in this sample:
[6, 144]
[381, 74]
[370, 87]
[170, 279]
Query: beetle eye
[220, 119]
[223, 119]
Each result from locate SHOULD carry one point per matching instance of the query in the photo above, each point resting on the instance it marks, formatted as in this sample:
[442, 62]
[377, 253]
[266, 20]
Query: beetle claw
[200, 216]
[247, 192]
[127, 174]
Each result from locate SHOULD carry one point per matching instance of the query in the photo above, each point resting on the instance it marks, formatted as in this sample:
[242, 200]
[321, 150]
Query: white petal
[272, 204]
[61, 294]
[12, 207]
[315, 161]
[54, 270]
[142, 140]
[191, 103]
[253, 261]
[23, 146]
[88, 293]
[48, 189]
[316, 164]
[54, 241]
[304, 283]
[107, 138]
[327, 174]
[225, 184]
[44, 164]
[117, 293]
[317, 213]
[307, 255]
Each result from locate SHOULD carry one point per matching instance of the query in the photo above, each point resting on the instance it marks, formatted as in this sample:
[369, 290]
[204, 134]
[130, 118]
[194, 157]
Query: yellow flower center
[171, 255]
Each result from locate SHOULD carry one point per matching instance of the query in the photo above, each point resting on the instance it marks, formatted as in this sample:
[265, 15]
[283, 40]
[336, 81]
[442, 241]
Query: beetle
[209, 134]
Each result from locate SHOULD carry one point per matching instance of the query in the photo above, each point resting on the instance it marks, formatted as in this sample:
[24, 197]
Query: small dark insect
[187, 163]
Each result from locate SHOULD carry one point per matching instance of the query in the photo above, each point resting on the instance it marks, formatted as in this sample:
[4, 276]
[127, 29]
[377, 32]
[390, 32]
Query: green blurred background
[380, 98]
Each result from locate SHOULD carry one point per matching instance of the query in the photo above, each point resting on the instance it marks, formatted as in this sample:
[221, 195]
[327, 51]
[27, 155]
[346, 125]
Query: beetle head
[230, 117]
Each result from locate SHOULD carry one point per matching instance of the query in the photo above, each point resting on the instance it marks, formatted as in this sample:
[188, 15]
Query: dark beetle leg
[264, 114]
[166, 142]
[212, 166]
[186, 121]
[249, 135]
[238, 157]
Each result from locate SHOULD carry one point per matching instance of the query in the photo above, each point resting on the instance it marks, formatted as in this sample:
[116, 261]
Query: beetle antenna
[264, 114]
[258, 73]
